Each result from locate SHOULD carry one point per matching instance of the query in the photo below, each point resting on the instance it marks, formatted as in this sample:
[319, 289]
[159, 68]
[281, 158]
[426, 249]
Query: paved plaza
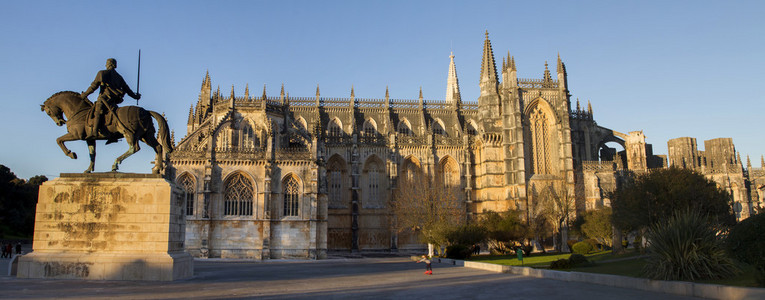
[341, 278]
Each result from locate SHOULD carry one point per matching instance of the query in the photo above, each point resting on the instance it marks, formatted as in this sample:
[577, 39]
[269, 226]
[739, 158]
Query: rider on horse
[113, 88]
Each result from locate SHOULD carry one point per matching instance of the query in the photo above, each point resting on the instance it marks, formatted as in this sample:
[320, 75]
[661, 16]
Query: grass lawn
[628, 264]
[537, 260]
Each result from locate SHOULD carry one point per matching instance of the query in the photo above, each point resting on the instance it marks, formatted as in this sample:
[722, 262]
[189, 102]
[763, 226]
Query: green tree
[424, 204]
[504, 230]
[746, 243]
[17, 202]
[655, 196]
[597, 225]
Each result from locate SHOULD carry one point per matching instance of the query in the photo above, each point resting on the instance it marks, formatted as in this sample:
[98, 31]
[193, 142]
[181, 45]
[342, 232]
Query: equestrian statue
[105, 121]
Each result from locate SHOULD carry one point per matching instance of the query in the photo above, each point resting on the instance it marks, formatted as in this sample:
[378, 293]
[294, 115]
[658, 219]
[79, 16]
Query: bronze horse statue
[131, 122]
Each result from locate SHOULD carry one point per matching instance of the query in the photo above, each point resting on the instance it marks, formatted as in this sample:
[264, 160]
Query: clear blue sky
[669, 68]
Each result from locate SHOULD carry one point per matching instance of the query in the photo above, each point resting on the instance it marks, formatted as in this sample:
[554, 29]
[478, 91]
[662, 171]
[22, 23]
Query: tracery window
[238, 196]
[188, 185]
[450, 173]
[369, 128]
[403, 128]
[291, 196]
[438, 129]
[234, 138]
[335, 129]
[248, 137]
[335, 188]
[373, 187]
[540, 141]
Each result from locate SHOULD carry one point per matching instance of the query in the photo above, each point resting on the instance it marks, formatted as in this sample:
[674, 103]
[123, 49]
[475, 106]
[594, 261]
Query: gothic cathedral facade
[284, 177]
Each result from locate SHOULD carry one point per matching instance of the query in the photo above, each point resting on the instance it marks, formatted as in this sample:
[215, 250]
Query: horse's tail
[164, 133]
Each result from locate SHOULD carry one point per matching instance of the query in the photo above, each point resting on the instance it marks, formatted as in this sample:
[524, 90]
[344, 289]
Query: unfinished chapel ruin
[297, 177]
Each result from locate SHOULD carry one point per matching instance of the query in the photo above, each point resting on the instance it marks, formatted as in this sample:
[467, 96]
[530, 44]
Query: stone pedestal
[108, 226]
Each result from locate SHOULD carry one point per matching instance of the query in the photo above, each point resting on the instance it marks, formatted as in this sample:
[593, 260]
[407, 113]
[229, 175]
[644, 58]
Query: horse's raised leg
[158, 159]
[65, 138]
[92, 151]
[130, 139]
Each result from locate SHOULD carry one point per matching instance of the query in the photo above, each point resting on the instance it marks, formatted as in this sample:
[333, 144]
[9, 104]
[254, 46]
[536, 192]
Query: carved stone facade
[722, 164]
[273, 177]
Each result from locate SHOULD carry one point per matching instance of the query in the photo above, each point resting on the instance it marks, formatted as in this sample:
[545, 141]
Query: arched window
[291, 196]
[438, 128]
[450, 173]
[188, 185]
[336, 170]
[301, 123]
[404, 128]
[335, 186]
[238, 196]
[335, 129]
[224, 138]
[410, 168]
[370, 129]
[540, 131]
[234, 138]
[373, 185]
[249, 140]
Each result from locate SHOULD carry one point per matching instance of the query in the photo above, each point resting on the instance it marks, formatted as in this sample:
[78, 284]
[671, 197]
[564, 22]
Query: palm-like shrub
[686, 247]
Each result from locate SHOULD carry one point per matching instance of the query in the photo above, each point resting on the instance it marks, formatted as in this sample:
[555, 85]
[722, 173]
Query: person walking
[428, 268]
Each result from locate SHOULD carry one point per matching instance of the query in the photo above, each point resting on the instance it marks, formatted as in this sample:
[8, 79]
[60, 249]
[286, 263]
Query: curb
[680, 288]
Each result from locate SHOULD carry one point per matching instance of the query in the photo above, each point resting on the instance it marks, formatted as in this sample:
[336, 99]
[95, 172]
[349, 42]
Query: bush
[595, 244]
[746, 243]
[686, 248]
[571, 243]
[466, 235]
[577, 260]
[458, 251]
[582, 248]
[561, 264]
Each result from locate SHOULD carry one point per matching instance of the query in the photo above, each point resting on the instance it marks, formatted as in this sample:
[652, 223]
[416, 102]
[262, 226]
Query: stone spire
[205, 95]
[562, 75]
[452, 84]
[422, 101]
[578, 108]
[232, 99]
[748, 163]
[191, 115]
[264, 93]
[281, 94]
[352, 102]
[589, 107]
[247, 92]
[318, 96]
[387, 97]
[762, 161]
[547, 78]
[489, 80]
